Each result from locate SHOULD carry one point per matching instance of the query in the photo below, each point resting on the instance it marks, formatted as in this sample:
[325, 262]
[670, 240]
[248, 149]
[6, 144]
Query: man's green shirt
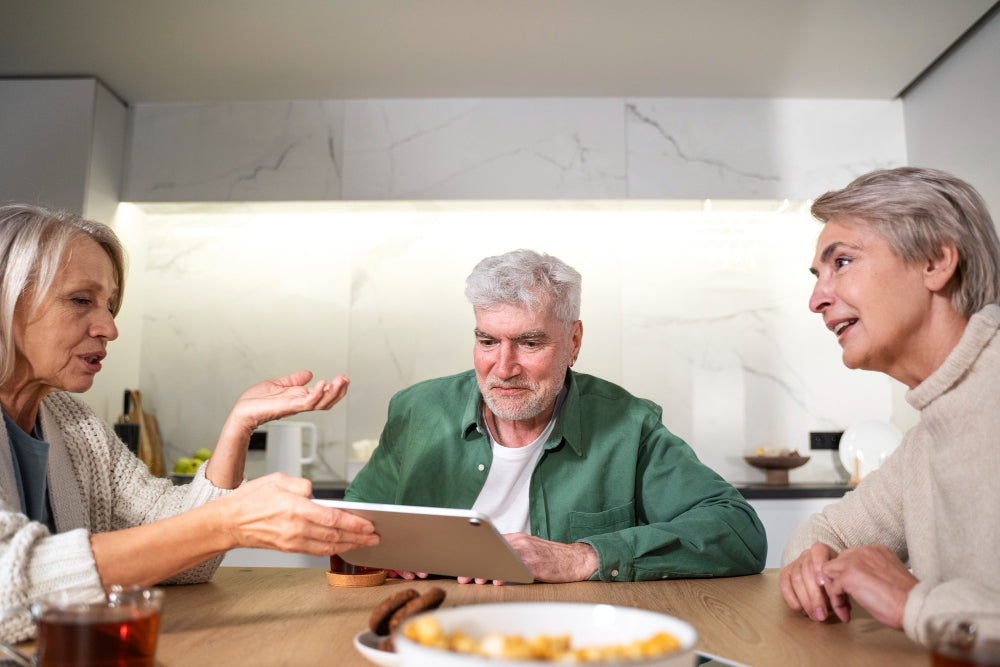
[610, 475]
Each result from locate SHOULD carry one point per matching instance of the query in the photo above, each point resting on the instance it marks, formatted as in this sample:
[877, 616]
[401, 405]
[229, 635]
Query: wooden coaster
[356, 580]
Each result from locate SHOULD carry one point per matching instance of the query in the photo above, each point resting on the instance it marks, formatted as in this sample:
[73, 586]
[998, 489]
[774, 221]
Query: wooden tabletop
[292, 616]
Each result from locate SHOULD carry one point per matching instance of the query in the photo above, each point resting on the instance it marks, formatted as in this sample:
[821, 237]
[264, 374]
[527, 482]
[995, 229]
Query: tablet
[436, 540]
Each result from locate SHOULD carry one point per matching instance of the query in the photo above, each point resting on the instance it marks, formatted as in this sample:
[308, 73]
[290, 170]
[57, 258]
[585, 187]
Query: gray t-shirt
[31, 459]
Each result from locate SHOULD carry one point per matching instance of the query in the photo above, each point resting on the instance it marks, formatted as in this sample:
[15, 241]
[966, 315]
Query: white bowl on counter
[587, 624]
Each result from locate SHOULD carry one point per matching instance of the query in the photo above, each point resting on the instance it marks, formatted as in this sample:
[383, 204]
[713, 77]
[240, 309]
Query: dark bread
[430, 599]
[379, 620]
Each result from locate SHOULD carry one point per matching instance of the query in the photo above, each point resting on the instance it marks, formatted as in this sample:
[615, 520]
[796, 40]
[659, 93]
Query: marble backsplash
[700, 306]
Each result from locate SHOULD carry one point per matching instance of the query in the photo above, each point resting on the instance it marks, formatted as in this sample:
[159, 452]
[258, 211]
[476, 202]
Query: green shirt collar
[566, 429]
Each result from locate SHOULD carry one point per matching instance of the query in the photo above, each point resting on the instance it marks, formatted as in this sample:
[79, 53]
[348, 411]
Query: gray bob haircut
[33, 245]
[919, 210]
[525, 278]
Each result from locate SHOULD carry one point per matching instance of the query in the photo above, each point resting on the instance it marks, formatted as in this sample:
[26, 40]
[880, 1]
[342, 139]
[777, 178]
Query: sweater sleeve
[955, 596]
[870, 514]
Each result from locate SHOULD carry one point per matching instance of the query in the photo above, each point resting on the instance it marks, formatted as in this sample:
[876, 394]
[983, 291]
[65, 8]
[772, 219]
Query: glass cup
[965, 640]
[119, 631]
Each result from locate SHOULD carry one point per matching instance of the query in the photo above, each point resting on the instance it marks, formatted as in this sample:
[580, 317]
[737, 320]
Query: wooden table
[291, 616]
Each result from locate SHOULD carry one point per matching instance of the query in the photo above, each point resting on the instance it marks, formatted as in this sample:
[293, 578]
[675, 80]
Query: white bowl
[367, 644]
[587, 624]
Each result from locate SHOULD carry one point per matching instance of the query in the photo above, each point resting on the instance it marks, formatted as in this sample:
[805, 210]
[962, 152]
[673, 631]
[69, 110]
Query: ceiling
[217, 50]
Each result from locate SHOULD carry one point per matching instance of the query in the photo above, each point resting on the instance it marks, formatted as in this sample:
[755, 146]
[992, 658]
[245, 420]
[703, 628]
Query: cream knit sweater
[95, 485]
[936, 500]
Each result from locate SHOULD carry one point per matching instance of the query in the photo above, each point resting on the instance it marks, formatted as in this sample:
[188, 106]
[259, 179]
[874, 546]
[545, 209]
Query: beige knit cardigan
[95, 485]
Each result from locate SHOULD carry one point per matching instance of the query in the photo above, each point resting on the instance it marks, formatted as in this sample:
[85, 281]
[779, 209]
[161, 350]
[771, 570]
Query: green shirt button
[482, 467]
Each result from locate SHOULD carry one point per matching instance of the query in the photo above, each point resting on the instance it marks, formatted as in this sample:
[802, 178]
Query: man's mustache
[506, 385]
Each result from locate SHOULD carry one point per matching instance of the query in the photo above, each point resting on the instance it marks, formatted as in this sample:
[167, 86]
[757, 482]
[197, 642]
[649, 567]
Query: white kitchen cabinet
[67, 142]
[781, 516]
[268, 558]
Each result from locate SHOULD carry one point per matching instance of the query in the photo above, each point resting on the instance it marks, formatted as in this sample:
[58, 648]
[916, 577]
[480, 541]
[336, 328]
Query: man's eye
[841, 262]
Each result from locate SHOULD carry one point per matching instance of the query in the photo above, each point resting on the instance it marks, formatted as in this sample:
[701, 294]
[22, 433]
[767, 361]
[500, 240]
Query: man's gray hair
[919, 210]
[526, 278]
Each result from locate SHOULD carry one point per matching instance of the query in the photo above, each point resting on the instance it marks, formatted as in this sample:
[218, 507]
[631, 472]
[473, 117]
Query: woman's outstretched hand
[289, 395]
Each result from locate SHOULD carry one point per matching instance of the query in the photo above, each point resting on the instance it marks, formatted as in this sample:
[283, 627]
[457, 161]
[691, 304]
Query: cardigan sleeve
[35, 564]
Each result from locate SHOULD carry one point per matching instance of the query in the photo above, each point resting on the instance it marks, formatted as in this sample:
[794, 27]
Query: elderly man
[582, 478]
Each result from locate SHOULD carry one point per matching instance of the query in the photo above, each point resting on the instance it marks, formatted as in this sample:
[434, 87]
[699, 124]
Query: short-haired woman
[907, 278]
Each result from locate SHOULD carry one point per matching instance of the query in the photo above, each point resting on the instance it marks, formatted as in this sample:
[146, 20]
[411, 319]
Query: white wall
[669, 148]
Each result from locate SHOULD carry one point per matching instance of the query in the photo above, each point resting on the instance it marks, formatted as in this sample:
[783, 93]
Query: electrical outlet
[825, 439]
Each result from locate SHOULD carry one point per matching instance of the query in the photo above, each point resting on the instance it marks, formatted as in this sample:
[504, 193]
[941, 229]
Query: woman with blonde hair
[77, 509]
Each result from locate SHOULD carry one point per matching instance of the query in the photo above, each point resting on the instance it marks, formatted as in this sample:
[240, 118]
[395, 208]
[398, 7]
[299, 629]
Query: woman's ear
[939, 271]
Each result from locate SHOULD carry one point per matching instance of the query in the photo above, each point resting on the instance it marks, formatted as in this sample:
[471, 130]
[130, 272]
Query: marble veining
[722, 341]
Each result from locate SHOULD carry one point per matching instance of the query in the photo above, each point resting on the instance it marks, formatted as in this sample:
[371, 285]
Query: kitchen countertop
[329, 489]
[762, 491]
[334, 489]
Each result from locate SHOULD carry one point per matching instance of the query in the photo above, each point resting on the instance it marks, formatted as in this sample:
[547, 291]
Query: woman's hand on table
[821, 579]
[276, 512]
[801, 582]
[876, 579]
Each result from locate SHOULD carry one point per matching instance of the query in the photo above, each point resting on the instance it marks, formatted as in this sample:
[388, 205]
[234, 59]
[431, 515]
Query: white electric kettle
[284, 447]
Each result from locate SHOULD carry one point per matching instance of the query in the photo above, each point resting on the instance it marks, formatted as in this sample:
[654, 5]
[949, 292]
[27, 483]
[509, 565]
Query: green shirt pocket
[586, 524]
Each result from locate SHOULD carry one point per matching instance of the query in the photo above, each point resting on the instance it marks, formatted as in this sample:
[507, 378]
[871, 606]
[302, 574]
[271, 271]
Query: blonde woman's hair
[33, 242]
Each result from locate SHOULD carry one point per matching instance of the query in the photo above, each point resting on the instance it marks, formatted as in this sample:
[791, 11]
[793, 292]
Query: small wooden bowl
[376, 578]
[776, 467]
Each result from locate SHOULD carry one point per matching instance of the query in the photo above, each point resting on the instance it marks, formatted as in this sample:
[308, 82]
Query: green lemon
[182, 465]
[202, 454]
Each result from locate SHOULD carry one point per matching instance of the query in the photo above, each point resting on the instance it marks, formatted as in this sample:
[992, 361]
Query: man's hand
[876, 579]
[554, 561]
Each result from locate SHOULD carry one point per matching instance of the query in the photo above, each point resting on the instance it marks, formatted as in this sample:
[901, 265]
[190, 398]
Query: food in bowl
[396, 608]
[427, 630]
[603, 633]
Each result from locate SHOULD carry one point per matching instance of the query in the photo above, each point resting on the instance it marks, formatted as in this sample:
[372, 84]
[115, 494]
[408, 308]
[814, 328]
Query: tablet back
[436, 540]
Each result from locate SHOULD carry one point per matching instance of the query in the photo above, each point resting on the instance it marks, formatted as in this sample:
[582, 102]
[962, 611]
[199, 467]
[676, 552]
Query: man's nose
[507, 361]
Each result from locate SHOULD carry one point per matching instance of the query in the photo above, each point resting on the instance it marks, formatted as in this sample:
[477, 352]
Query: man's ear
[939, 271]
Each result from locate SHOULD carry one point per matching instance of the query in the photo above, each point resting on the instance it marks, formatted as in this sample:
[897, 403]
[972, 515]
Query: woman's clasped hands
[821, 579]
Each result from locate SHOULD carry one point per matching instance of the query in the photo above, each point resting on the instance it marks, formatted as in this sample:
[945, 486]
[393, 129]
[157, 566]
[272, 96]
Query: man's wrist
[589, 562]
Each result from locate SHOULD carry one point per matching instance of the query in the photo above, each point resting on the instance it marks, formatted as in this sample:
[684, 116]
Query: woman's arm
[261, 403]
[273, 512]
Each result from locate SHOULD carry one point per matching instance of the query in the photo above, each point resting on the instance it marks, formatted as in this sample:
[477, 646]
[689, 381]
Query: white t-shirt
[504, 497]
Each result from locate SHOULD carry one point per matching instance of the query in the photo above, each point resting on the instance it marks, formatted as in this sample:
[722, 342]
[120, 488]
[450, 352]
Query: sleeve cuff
[63, 561]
